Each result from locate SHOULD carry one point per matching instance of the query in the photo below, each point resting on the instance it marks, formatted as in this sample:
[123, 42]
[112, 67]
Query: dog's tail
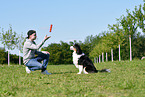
[104, 70]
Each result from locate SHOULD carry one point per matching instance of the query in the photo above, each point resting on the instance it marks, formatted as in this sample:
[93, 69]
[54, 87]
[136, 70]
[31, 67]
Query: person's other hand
[45, 52]
[47, 37]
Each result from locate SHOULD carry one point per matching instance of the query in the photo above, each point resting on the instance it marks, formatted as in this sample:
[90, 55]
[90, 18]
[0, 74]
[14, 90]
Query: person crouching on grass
[30, 49]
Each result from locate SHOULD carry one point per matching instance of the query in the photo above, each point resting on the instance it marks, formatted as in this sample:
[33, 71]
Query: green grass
[127, 79]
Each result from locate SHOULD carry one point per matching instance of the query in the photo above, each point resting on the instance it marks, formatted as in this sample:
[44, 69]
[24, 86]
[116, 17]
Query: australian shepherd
[83, 62]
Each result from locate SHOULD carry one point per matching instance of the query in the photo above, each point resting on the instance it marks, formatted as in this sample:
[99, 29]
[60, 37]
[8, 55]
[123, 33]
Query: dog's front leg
[80, 69]
[77, 66]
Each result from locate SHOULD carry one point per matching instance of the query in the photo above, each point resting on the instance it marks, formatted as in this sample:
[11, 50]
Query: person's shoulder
[27, 42]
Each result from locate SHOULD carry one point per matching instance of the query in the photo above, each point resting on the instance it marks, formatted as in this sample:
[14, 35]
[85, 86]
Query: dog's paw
[86, 73]
[79, 73]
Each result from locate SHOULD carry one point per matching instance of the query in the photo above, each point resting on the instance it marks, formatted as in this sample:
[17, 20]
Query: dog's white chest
[76, 57]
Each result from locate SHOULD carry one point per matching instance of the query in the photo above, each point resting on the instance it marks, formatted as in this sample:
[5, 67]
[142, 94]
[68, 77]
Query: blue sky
[71, 19]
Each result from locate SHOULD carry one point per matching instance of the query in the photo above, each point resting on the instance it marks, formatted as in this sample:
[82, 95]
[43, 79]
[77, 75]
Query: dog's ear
[79, 51]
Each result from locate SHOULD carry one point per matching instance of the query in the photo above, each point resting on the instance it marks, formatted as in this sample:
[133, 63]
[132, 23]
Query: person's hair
[30, 32]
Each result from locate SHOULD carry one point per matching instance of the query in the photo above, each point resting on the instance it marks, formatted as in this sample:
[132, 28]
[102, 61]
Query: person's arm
[31, 45]
[39, 52]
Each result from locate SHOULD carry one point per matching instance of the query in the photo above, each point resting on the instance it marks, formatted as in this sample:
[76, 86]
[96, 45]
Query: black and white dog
[82, 61]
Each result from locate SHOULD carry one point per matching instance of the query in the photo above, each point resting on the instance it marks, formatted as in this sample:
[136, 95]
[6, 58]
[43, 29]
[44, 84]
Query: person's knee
[40, 67]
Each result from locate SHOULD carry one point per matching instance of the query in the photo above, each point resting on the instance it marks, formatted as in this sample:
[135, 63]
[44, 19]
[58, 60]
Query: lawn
[126, 79]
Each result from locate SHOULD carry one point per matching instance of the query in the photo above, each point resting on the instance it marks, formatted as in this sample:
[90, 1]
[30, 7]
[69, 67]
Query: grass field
[127, 79]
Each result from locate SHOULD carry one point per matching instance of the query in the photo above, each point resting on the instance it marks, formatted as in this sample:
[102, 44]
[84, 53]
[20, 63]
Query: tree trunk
[102, 57]
[130, 48]
[112, 54]
[8, 58]
[19, 58]
[119, 53]
[106, 57]
[99, 59]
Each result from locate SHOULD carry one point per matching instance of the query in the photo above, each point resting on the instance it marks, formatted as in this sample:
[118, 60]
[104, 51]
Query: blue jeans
[34, 64]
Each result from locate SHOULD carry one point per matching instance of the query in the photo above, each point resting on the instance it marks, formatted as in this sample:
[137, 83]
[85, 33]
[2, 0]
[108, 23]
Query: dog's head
[76, 48]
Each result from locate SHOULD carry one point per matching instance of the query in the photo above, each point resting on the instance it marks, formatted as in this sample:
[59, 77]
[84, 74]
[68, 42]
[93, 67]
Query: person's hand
[45, 52]
[47, 37]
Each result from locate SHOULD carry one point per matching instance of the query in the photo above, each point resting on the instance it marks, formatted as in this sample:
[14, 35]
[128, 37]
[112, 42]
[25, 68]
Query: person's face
[33, 36]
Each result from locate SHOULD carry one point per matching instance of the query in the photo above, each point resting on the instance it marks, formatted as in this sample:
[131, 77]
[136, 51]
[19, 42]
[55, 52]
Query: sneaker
[46, 72]
[28, 70]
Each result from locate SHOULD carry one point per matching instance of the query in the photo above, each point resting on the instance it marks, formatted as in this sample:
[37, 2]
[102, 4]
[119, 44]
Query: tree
[3, 55]
[118, 34]
[104, 44]
[130, 24]
[59, 53]
[9, 40]
[140, 17]
[138, 46]
[91, 41]
[20, 45]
